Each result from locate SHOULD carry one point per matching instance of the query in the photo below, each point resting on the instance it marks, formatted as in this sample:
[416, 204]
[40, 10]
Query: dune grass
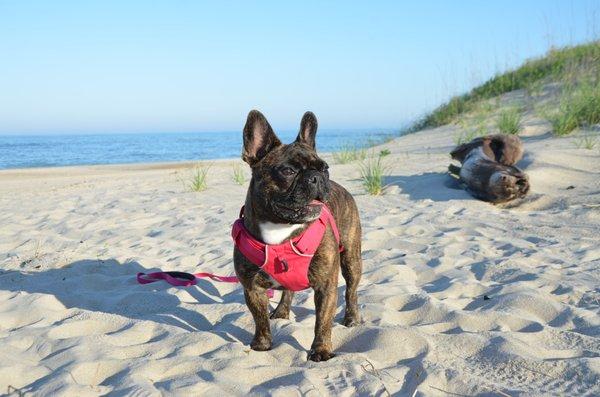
[563, 65]
[467, 135]
[509, 121]
[471, 128]
[586, 142]
[349, 153]
[372, 172]
[579, 107]
[239, 176]
[196, 181]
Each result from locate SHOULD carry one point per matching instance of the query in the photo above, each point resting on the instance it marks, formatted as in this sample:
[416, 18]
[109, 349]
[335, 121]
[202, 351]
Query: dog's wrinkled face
[286, 179]
[508, 184]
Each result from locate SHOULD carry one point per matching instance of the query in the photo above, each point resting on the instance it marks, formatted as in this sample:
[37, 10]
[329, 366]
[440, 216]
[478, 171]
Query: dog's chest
[276, 233]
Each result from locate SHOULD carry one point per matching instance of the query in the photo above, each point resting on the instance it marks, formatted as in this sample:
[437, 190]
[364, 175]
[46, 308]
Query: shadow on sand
[436, 186]
[111, 287]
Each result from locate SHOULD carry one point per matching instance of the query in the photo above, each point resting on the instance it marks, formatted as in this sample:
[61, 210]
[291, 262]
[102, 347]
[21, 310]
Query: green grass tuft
[579, 107]
[197, 180]
[239, 175]
[586, 142]
[372, 172]
[471, 129]
[509, 121]
[465, 136]
[385, 152]
[349, 153]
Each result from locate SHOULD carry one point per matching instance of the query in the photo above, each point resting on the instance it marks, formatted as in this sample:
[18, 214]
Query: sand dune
[459, 297]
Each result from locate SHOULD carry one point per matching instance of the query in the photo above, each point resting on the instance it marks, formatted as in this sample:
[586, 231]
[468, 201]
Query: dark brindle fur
[285, 179]
[488, 169]
[504, 149]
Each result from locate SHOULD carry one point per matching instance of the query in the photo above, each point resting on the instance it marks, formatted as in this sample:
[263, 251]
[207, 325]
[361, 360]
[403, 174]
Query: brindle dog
[488, 169]
[285, 180]
[504, 149]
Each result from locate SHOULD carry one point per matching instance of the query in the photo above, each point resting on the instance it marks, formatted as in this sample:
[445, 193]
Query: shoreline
[73, 170]
[108, 168]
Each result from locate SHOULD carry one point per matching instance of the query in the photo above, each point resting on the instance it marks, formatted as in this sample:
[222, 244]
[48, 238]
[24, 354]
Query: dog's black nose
[314, 178]
[318, 185]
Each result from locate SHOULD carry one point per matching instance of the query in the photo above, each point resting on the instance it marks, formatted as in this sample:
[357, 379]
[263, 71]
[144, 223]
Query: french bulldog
[286, 181]
[488, 168]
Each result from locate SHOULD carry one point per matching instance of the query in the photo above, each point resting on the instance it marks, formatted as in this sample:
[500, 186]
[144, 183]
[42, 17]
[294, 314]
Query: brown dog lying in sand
[488, 169]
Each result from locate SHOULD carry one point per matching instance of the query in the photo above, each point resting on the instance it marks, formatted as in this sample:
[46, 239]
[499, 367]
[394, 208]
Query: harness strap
[302, 241]
[326, 218]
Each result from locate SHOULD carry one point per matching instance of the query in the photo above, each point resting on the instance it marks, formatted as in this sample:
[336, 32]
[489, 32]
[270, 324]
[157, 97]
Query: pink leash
[182, 279]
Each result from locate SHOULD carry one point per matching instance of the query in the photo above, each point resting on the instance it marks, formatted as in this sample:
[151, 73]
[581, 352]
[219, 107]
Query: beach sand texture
[458, 297]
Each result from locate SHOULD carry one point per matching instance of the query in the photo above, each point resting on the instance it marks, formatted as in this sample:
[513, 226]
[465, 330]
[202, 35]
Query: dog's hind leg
[351, 265]
[283, 308]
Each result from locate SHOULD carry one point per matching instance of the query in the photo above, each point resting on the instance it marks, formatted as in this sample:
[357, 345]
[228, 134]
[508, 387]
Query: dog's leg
[258, 303]
[351, 263]
[283, 308]
[325, 303]
[454, 170]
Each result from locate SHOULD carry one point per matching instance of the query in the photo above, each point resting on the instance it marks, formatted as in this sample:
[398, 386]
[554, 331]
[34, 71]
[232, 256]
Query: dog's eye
[287, 171]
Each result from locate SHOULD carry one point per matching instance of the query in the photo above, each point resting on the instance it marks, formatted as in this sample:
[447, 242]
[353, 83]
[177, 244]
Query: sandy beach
[458, 297]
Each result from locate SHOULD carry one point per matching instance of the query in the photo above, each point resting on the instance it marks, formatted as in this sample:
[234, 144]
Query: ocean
[27, 151]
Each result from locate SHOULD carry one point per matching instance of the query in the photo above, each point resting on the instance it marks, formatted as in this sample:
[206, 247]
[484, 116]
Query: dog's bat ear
[308, 129]
[498, 148]
[508, 149]
[259, 138]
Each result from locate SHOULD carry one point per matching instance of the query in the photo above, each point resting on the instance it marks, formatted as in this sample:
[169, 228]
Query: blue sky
[160, 66]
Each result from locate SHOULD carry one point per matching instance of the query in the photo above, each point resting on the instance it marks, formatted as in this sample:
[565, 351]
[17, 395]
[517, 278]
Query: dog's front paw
[320, 353]
[351, 320]
[260, 344]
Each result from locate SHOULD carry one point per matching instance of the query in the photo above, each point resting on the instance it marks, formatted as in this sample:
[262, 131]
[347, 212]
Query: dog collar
[287, 262]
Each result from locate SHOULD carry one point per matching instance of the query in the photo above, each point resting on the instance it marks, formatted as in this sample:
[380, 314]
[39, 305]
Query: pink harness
[287, 263]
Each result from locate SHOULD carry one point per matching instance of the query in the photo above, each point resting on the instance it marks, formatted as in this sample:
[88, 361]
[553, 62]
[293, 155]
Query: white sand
[73, 321]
